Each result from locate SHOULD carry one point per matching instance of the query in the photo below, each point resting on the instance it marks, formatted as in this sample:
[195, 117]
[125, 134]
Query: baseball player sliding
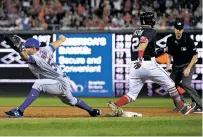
[145, 67]
[50, 77]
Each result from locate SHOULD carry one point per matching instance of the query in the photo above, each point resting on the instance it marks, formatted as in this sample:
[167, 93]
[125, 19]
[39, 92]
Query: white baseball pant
[149, 70]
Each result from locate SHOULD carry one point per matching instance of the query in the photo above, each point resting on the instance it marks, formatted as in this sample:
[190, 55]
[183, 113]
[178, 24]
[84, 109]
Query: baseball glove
[14, 41]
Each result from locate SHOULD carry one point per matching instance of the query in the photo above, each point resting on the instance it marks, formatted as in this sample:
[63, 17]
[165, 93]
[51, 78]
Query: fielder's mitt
[14, 41]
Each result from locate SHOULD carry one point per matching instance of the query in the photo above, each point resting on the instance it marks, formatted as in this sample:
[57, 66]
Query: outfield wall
[97, 63]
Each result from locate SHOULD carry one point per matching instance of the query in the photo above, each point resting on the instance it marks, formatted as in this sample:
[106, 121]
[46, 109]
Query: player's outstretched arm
[58, 42]
[24, 55]
[15, 43]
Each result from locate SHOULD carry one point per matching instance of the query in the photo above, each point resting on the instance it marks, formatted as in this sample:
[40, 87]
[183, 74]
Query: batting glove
[138, 63]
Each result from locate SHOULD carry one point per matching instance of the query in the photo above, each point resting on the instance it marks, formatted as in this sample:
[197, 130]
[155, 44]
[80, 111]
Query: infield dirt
[63, 112]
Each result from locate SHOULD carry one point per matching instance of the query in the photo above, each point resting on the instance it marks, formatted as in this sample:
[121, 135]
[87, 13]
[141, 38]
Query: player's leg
[159, 76]
[45, 85]
[135, 85]
[69, 99]
[176, 76]
[186, 82]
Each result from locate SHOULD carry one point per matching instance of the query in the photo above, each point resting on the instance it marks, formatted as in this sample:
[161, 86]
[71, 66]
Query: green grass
[94, 102]
[145, 126]
[165, 126]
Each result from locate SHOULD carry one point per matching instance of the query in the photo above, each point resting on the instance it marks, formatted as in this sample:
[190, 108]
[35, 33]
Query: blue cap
[31, 43]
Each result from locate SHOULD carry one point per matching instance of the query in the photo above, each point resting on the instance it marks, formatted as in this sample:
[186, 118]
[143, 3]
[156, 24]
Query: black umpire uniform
[182, 50]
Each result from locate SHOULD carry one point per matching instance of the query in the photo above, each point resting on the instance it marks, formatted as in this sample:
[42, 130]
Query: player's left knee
[73, 101]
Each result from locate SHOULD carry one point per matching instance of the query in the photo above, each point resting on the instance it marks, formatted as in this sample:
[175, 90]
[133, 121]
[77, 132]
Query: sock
[173, 92]
[122, 101]
[33, 95]
[83, 105]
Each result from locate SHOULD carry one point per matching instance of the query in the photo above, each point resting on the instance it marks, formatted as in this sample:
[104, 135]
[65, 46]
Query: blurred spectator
[117, 5]
[96, 14]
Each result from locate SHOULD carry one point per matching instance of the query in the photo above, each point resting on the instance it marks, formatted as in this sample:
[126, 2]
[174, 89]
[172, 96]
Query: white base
[131, 114]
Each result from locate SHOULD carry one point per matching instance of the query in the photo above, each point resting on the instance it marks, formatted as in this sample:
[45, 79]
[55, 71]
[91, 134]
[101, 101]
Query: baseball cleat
[14, 113]
[188, 108]
[197, 110]
[115, 110]
[95, 112]
[112, 114]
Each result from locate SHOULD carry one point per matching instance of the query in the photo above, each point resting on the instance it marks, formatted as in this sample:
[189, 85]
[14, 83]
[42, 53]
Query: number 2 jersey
[143, 34]
[44, 66]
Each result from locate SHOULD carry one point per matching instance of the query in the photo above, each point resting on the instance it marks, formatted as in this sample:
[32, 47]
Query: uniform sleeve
[50, 49]
[192, 46]
[168, 46]
[147, 36]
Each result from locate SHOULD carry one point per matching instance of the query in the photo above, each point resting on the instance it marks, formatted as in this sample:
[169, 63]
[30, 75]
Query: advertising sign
[86, 59]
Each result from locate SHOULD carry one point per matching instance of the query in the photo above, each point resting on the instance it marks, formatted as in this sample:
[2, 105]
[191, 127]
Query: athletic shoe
[95, 112]
[116, 111]
[188, 108]
[14, 113]
[197, 110]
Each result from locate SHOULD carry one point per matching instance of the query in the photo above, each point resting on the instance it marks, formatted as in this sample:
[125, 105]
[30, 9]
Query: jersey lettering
[45, 67]
[140, 35]
[138, 32]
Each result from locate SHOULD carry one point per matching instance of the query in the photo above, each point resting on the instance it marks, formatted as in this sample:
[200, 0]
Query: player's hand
[138, 63]
[186, 72]
[62, 38]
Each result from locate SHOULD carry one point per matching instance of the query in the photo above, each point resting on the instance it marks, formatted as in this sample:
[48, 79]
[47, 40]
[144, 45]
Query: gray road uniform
[51, 79]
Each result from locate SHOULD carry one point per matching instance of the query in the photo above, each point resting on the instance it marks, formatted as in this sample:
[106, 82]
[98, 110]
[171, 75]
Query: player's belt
[145, 59]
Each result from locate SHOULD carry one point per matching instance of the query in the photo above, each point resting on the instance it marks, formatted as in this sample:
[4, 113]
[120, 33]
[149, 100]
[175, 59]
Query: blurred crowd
[96, 14]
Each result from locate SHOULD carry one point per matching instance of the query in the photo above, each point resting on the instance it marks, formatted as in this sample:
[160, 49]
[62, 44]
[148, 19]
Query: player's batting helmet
[147, 18]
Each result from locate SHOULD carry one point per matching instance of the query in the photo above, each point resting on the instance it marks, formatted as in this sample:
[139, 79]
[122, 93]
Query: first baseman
[50, 77]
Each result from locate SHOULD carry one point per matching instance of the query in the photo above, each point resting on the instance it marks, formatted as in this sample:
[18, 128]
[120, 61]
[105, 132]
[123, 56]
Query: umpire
[184, 54]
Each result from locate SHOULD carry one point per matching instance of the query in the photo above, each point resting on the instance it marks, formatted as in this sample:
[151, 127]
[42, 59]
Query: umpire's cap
[32, 43]
[178, 24]
[147, 18]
